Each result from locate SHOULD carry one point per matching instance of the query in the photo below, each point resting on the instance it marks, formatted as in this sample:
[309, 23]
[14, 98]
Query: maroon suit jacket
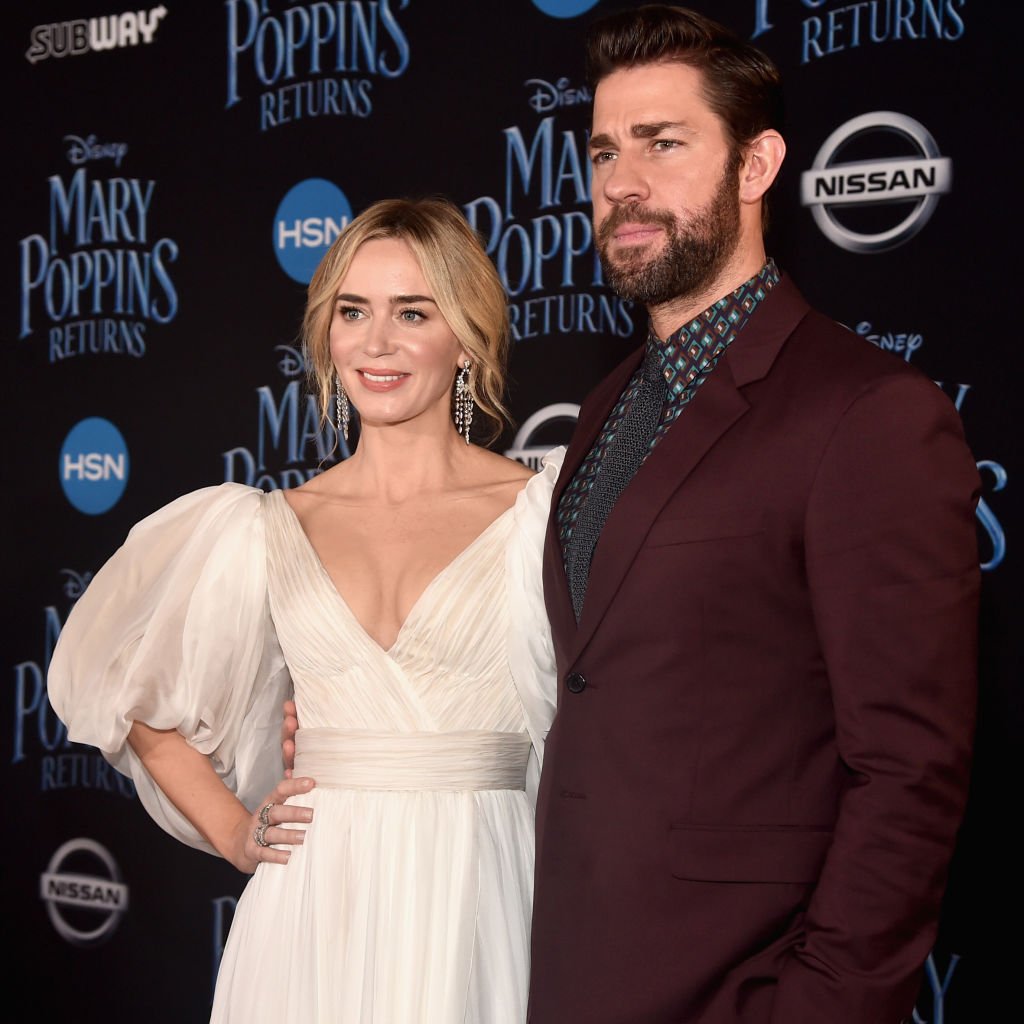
[754, 780]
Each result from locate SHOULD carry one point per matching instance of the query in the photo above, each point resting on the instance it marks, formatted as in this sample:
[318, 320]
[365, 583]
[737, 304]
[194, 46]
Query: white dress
[410, 900]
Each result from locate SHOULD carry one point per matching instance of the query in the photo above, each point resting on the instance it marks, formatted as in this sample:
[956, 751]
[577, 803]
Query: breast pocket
[692, 529]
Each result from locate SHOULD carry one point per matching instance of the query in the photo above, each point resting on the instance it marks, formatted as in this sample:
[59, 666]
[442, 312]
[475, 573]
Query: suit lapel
[715, 409]
[593, 415]
[754, 352]
[717, 406]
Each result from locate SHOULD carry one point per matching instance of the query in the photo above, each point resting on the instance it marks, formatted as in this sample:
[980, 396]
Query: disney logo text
[292, 362]
[546, 96]
[905, 344]
[82, 150]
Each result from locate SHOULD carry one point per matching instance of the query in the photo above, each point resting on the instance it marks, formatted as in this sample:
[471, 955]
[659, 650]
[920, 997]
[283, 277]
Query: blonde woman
[398, 596]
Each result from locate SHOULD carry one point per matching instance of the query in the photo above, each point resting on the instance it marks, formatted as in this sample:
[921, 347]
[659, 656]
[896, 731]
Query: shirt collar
[693, 348]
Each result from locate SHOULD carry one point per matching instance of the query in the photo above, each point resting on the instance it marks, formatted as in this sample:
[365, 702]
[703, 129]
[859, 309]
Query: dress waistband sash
[365, 759]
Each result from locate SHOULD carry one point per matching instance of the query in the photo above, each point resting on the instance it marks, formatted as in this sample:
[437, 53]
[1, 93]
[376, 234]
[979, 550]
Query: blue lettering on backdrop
[62, 764]
[761, 22]
[551, 95]
[879, 21]
[32, 710]
[901, 342]
[81, 150]
[552, 248]
[98, 297]
[847, 26]
[989, 523]
[83, 769]
[986, 517]
[937, 989]
[313, 59]
[288, 426]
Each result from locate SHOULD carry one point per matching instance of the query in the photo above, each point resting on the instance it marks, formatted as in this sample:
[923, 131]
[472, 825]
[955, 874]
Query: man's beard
[693, 254]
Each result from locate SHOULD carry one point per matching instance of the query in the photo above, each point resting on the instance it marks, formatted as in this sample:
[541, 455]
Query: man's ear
[762, 159]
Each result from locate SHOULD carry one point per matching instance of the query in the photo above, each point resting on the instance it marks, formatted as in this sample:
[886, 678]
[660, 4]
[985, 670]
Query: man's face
[665, 184]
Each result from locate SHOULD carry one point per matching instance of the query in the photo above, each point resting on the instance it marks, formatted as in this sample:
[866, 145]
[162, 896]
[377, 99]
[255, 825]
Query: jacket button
[575, 683]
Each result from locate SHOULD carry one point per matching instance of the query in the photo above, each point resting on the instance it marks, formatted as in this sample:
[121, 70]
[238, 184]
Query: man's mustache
[633, 213]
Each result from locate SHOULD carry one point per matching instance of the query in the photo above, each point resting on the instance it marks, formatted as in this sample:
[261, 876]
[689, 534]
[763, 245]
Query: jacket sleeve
[892, 567]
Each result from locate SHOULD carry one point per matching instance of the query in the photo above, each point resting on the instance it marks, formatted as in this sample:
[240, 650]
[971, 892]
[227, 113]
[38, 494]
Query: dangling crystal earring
[463, 401]
[342, 414]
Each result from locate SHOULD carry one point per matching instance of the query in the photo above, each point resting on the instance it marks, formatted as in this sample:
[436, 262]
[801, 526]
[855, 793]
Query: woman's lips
[382, 380]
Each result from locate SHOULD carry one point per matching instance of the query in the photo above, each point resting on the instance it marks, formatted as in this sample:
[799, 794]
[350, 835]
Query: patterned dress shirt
[688, 357]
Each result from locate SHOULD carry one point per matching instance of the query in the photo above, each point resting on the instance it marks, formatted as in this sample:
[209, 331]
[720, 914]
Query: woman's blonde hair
[465, 286]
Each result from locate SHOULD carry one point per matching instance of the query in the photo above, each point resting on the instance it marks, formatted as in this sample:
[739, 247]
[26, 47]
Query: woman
[399, 593]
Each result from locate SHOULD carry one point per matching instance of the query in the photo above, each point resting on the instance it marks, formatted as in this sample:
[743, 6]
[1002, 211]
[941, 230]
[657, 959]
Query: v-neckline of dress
[333, 587]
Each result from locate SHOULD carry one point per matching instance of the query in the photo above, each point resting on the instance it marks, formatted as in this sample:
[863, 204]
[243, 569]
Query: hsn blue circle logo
[94, 466]
[309, 218]
[564, 8]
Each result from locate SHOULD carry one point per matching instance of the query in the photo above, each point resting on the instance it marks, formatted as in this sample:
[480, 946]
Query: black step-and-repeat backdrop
[173, 174]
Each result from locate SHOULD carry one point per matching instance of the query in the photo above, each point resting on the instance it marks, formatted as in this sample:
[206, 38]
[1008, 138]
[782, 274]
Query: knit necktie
[625, 453]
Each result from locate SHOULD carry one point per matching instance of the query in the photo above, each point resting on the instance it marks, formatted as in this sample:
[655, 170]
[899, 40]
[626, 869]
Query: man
[761, 575]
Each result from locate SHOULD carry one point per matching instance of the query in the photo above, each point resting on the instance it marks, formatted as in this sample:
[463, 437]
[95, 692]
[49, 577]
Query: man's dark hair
[740, 83]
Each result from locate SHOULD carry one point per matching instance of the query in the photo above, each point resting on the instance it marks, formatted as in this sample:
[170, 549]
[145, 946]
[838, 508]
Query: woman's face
[393, 349]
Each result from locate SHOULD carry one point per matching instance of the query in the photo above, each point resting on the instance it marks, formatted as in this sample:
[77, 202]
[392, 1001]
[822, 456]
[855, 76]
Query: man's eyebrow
[642, 130]
[648, 130]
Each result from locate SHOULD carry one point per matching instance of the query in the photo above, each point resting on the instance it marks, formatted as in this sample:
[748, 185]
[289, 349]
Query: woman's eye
[349, 313]
[411, 315]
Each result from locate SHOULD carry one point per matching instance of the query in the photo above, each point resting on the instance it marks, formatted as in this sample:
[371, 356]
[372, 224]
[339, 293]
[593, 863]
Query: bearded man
[762, 578]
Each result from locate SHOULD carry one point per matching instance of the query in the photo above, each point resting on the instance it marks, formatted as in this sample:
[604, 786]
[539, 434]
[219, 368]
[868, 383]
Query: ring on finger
[260, 835]
[265, 813]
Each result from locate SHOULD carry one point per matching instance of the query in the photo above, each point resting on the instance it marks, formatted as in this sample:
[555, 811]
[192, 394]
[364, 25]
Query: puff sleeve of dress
[175, 632]
[530, 650]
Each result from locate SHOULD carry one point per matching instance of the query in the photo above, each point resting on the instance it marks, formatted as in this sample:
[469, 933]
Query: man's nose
[626, 181]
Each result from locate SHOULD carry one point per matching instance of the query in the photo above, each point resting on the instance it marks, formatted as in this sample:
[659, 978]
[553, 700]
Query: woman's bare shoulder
[502, 469]
[330, 485]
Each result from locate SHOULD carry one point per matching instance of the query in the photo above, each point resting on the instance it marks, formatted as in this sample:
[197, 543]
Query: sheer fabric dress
[410, 899]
